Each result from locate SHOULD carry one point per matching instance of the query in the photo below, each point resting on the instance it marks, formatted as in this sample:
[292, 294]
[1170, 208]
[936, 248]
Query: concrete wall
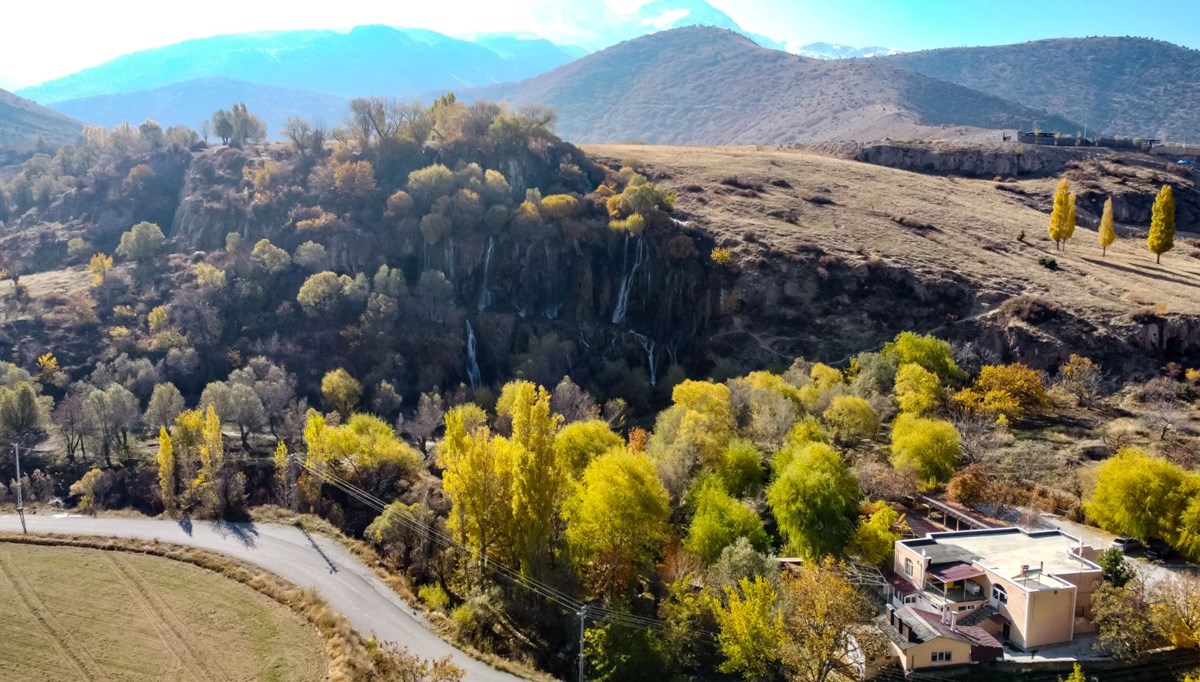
[1051, 617]
[921, 655]
[918, 576]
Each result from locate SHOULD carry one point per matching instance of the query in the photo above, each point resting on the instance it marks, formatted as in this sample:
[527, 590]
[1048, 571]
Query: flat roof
[1005, 550]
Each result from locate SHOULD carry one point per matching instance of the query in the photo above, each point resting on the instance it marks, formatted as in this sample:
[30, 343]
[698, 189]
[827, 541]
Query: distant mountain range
[687, 85]
[835, 51]
[1120, 86]
[714, 87]
[22, 122]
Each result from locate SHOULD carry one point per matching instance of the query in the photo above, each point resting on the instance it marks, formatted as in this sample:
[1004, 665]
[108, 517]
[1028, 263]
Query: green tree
[850, 419]
[142, 243]
[719, 521]
[321, 294]
[918, 391]
[1060, 215]
[1116, 570]
[813, 500]
[929, 448]
[616, 521]
[23, 415]
[1162, 224]
[1106, 233]
[341, 391]
[751, 632]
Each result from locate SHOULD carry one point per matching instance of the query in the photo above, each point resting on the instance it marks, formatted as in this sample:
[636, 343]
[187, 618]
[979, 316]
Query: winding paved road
[350, 587]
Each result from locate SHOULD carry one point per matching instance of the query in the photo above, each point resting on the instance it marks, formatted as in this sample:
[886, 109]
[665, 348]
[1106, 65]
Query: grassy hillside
[1121, 86]
[709, 86]
[110, 615]
[23, 121]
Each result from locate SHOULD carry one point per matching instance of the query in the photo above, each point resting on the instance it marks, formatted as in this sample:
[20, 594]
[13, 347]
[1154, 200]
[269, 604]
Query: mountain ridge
[715, 87]
[23, 122]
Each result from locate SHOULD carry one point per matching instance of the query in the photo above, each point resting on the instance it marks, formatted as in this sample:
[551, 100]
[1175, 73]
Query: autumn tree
[741, 468]
[826, 624]
[538, 477]
[1123, 621]
[1069, 226]
[1107, 234]
[99, 266]
[926, 350]
[212, 461]
[477, 478]
[1081, 378]
[1140, 496]
[616, 521]
[874, 540]
[341, 391]
[429, 415]
[918, 391]
[813, 500]
[1008, 391]
[1162, 224]
[928, 448]
[1060, 215]
[751, 630]
[578, 443]
[850, 419]
[166, 469]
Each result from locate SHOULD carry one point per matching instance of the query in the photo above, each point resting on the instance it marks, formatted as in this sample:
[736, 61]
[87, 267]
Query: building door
[1006, 631]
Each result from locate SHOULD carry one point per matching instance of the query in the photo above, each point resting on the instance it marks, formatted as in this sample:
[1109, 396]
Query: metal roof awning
[955, 572]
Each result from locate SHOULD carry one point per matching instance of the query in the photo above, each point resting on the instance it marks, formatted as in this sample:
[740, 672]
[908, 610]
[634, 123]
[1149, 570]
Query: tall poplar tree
[166, 469]
[1162, 224]
[1069, 225]
[1107, 234]
[1060, 214]
[538, 478]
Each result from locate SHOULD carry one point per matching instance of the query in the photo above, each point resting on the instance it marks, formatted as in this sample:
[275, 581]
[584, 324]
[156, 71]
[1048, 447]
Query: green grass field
[84, 614]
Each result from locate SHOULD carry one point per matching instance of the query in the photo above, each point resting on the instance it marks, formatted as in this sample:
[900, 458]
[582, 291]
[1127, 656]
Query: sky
[45, 39]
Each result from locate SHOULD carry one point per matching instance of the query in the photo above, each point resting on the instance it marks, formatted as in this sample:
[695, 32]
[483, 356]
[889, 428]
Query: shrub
[1048, 263]
[434, 597]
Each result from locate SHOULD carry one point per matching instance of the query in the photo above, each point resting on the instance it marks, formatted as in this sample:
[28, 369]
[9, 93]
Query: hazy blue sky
[44, 39]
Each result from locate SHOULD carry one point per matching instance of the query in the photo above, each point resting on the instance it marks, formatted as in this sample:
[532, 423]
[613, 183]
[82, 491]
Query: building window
[908, 567]
[999, 594]
[942, 656]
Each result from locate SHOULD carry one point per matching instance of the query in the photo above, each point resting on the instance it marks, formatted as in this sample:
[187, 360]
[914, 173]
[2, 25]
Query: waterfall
[627, 283]
[473, 374]
[485, 294]
[651, 356]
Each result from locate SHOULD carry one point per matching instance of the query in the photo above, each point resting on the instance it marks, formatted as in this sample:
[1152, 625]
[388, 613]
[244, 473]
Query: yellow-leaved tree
[477, 478]
[1106, 233]
[1069, 225]
[539, 480]
[1162, 224]
[751, 629]
[617, 521]
[166, 469]
[1061, 213]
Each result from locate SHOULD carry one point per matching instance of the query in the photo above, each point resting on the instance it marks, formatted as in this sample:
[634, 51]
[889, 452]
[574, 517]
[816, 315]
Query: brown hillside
[709, 86]
[1120, 86]
[947, 233]
[23, 121]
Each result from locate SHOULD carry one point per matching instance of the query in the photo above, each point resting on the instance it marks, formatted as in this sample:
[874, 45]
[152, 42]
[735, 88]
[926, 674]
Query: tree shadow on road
[242, 531]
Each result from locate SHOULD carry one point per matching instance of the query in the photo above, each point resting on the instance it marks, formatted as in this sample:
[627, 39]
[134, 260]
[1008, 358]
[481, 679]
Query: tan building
[1028, 589]
[921, 640]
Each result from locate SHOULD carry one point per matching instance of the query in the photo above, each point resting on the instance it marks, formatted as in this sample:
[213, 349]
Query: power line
[499, 569]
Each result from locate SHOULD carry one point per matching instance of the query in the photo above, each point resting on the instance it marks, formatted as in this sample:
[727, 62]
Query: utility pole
[20, 495]
[582, 618]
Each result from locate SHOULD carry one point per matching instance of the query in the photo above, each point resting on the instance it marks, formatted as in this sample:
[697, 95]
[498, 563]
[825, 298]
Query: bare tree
[572, 402]
[427, 419]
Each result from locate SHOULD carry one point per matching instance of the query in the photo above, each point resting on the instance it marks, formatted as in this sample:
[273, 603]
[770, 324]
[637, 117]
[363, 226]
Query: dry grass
[974, 236]
[118, 615]
[347, 652]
